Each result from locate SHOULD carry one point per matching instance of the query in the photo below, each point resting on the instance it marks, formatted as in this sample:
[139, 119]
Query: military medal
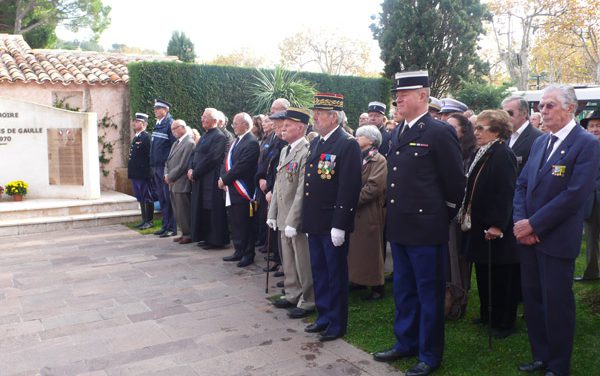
[326, 165]
[558, 170]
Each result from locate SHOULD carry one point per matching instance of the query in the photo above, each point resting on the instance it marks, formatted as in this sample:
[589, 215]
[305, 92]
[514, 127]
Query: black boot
[149, 218]
[143, 211]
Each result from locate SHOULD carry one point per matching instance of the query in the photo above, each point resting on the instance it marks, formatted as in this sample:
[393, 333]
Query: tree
[578, 29]
[279, 84]
[333, 54]
[125, 49]
[182, 47]
[239, 58]
[437, 35]
[86, 45]
[23, 16]
[515, 23]
[481, 96]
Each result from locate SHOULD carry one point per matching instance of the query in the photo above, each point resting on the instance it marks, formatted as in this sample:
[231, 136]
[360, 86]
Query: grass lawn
[466, 351]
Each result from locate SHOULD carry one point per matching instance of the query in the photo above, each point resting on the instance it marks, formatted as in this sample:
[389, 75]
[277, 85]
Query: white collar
[295, 143]
[242, 136]
[521, 129]
[329, 134]
[417, 119]
[564, 132]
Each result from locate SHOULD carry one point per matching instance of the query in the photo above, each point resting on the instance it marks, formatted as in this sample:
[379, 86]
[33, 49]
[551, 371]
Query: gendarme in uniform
[425, 188]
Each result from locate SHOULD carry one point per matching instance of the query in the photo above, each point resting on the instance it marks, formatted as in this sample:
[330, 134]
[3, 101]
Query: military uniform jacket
[332, 183]
[138, 166]
[162, 140]
[425, 183]
[286, 205]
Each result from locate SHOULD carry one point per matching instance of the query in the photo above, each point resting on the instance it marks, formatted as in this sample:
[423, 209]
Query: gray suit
[180, 187]
[286, 209]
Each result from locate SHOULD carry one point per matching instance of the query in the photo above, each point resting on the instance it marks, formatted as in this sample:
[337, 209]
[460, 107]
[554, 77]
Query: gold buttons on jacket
[308, 174]
[397, 152]
[306, 194]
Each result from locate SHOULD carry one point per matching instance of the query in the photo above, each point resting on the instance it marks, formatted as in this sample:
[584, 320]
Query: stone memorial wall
[54, 151]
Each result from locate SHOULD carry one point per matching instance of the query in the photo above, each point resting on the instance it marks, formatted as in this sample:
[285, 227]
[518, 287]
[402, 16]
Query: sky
[226, 26]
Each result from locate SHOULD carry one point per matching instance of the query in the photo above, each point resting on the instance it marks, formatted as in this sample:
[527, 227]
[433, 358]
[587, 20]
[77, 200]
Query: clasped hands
[524, 233]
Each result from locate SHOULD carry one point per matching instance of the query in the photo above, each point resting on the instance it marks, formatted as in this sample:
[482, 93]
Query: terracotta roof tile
[18, 62]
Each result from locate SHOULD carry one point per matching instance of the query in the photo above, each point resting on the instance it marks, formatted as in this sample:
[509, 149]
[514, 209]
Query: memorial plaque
[65, 156]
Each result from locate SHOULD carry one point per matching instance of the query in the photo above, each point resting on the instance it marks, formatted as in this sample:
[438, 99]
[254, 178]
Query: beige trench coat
[365, 255]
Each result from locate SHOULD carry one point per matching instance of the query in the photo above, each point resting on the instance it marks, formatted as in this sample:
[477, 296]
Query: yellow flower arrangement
[17, 187]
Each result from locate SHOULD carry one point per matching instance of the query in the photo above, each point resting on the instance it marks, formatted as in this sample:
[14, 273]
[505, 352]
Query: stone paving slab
[107, 301]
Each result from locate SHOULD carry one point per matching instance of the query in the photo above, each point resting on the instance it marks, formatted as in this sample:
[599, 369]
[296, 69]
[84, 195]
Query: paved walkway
[107, 301]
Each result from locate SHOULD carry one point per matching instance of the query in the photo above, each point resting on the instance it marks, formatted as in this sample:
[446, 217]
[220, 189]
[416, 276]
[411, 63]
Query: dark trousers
[505, 294]
[329, 266]
[261, 217]
[142, 189]
[592, 230]
[161, 189]
[242, 229]
[547, 284]
[419, 290]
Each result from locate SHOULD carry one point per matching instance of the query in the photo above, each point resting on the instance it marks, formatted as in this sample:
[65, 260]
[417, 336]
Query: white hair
[371, 132]
[566, 95]
[247, 118]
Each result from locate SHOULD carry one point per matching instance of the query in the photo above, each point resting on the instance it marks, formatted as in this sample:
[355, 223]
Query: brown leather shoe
[185, 240]
[177, 239]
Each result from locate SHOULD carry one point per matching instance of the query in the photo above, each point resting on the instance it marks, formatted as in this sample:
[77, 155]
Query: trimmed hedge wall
[190, 88]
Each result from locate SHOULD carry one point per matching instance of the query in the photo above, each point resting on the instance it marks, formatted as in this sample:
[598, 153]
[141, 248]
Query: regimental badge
[326, 166]
[558, 170]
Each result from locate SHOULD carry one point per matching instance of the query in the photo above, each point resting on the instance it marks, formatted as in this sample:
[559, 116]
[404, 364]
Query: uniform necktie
[403, 130]
[548, 151]
[287, 150]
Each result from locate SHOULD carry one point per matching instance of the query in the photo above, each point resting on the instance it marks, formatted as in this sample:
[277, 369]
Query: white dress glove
[337, 236]
[272, 224]
[290, 232]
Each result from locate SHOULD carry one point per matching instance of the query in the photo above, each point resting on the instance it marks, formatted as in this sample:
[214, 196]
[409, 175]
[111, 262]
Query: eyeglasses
[548, 106]
[511, 112]
[481, 128]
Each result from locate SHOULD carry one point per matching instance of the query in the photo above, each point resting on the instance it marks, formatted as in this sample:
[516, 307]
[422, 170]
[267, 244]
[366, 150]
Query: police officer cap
[297, 114]
[141, 117]
[377, 107]
[450, 105]
[410, 80]
[594, 115]
[162, 103]
[435, 103]
[277, 115]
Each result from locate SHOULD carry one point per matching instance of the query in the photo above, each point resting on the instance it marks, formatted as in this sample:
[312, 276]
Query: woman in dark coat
[489, 194]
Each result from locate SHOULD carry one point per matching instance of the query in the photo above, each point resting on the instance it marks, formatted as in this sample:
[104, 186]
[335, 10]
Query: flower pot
[17, 197]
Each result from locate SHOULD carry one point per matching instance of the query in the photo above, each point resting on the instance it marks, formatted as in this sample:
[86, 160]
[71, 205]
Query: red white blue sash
[239, 184]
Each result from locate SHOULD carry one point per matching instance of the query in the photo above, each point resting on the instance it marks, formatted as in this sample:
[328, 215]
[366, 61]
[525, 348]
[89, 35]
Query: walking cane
[489, 243]
[268, 259]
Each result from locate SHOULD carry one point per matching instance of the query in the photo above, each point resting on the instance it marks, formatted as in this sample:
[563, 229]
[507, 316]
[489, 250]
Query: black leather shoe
[166, 234]
[550, 373]
[280, 284]
[145, 226]
[391, 355]
[278, 274]
[536, 365]
[479, 321]
[299, 313]
[315, 328]
[234, 257]
[211, 246]
[283, 303]
[271, 269]
[373, 296]
[329, 337]
[420, 369]
[160, 231]
[245, 261]
[502, 333]
[584, 279]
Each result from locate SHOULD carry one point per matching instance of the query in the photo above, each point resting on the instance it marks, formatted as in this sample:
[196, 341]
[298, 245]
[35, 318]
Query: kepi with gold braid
[328, 101]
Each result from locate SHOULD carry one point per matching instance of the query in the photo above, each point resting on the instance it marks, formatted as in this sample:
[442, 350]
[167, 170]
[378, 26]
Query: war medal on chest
[326, 166]
[291, 170]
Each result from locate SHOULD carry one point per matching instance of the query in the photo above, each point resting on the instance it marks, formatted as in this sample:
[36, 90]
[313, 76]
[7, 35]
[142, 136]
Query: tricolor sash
[239, 184]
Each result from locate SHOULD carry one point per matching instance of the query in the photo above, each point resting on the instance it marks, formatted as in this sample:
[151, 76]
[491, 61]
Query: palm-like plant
[279, 83]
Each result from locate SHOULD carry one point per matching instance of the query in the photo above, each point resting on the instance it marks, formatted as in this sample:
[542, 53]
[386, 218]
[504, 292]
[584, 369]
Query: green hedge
[190, 88]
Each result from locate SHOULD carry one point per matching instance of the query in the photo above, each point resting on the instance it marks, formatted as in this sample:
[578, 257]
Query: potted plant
[17, 189]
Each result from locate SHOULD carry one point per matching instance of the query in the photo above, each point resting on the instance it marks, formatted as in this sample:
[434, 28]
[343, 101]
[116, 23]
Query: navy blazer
[552, 196]
[426, 183]
[244, 162]
[332, 202]
[522, 146]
